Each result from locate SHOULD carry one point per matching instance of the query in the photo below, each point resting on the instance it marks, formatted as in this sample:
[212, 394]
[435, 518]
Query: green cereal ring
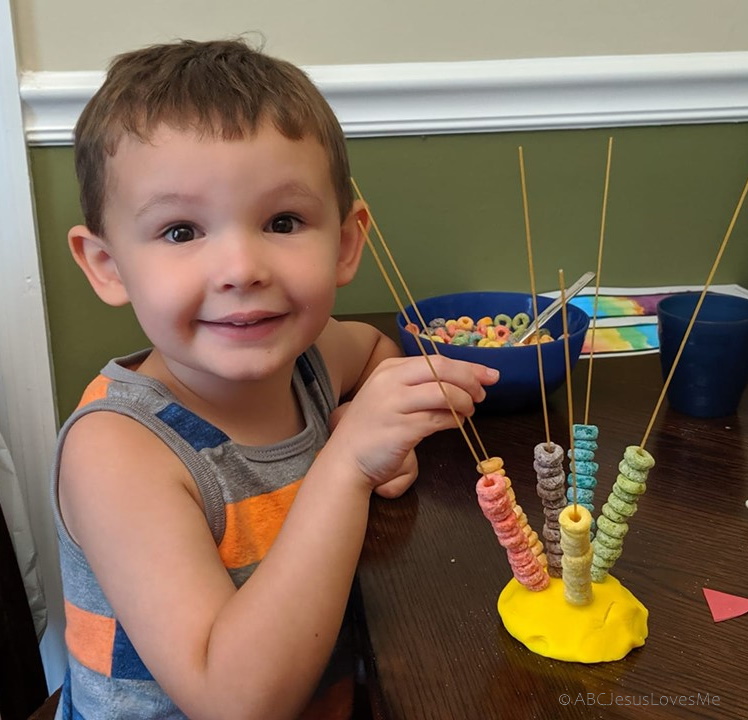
[621, 506]
[608, 540]
[461, 339]
[630, 486]
[585, 432]
[621, 493]
[612, 514]
[638, 458]
[581, 454]
[520, 321]
[632, 473]
[598, 574]
[602, 563]
[605, 553]
[617, 530]
[504, 320]
[544, 332]
[585, 444]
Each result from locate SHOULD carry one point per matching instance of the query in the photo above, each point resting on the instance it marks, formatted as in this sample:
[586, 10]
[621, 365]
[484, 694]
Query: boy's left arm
[351, 351]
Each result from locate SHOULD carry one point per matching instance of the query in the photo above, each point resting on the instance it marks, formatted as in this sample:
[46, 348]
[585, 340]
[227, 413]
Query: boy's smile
[229, 251]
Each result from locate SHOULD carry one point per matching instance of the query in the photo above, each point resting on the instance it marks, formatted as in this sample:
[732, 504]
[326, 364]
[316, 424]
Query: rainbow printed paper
[623, 338]
[610, 306]
[626, 321]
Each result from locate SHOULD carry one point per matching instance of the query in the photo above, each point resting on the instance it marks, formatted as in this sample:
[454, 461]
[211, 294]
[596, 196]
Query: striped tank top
[246, 492]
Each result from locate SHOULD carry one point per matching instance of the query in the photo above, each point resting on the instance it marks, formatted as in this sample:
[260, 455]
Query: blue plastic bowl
[519, 385]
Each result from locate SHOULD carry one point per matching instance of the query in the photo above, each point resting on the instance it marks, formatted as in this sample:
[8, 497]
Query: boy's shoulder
[350, 350]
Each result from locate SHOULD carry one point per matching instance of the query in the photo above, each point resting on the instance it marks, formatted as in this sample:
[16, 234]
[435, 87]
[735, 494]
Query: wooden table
[431, 570]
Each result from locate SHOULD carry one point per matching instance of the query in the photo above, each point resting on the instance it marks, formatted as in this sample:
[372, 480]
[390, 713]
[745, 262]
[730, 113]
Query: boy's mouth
[246, 326]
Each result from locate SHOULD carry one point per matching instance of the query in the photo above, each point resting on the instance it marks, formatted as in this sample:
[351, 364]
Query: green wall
[450, 209]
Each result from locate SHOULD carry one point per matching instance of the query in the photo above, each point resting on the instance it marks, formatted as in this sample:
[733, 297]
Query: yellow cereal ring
[484, 321]
[465, 323]
[490, 465]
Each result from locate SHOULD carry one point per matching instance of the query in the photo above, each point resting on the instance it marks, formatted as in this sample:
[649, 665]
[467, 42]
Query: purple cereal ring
[546, 457]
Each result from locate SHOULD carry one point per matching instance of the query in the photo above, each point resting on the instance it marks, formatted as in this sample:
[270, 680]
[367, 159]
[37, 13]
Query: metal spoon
[553, 308]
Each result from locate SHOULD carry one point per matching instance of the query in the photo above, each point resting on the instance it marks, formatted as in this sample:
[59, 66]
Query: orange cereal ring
[413, 328]
[484, 322]
[502, 332]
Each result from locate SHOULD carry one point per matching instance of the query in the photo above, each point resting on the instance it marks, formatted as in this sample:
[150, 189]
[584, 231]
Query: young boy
[216, 195]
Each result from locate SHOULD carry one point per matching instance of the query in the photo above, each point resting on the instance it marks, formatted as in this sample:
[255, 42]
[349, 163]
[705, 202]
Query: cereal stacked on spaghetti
[549, 470]
[583, 459]
[575, 540]
[523, 546]
[612, 527]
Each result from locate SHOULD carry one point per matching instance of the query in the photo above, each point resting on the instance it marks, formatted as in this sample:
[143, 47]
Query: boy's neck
[253, 413]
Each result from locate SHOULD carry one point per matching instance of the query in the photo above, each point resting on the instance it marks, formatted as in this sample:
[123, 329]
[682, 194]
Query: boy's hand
[402, 479]
[399, 404]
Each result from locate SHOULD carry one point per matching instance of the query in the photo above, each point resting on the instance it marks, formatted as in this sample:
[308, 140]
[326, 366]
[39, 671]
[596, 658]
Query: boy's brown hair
[221, 89]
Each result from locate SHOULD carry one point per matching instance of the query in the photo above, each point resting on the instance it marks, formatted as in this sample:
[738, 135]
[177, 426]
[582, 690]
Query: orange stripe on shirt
[95, 390]
[90, 638]
[253, 524]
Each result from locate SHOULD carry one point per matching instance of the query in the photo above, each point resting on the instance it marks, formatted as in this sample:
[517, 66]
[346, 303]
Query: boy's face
[229, 251]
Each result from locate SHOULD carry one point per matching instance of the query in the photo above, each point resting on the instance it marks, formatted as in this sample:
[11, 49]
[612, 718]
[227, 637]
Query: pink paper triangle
[724, 606]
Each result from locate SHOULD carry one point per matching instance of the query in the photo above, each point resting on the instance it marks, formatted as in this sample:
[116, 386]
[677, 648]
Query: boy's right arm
[259, 651]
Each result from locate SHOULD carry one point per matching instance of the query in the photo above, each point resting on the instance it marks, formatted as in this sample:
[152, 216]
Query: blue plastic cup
[712, 372]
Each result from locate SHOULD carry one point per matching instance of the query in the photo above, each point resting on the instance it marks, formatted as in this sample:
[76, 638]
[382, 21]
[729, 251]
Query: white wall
[85, 34]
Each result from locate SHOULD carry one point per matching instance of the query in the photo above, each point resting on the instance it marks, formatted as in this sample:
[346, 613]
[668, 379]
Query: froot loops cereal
[585, 444]
[612, 527]
[549, 471]
[575, 542]
[523, 549]
[498, 331]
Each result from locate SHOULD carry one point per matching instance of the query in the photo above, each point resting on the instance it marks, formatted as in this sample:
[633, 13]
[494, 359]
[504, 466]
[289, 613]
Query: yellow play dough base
[607, 629]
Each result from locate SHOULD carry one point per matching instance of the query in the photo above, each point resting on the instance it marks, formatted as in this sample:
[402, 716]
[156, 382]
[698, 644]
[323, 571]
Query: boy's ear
[352, 239]
[95, 259]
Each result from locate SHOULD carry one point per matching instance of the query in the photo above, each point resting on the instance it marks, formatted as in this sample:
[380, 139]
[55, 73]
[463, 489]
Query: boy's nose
[242, 262]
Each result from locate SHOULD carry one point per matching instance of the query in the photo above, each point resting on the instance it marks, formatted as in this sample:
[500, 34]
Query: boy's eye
[283, 224]
[180, 233]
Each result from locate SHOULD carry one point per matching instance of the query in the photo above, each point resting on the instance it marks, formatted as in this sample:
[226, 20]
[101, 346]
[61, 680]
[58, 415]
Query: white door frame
[27, 398]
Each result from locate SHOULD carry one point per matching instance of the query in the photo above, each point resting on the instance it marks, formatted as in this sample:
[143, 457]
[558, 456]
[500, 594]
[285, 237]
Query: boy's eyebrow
[170, 198]
[294, 188]
[174, 198]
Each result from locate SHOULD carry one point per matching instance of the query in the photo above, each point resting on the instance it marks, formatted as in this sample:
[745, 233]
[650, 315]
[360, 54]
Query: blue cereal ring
[585, 467]
[585, 444]
[588, 482]
[583, 496]
[581, 454]
[585, 432]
